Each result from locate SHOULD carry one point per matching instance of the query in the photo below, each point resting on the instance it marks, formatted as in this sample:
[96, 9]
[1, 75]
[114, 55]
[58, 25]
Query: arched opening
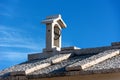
[57, 35]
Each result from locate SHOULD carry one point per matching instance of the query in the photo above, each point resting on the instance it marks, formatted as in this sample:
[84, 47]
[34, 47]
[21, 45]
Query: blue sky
[90, 23]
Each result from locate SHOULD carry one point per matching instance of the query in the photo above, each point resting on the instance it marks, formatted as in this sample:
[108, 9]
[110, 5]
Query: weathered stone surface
[59, 67]
[61, 58]
[35, 56]
[46, 54]
[95, 50]
[24, 66]
[54, 25]
[32, 66]
[93, 60]
[37, 67]
[111, 65]
[54, 61]
[115, 43]
[16, 73]
[69, 48]
[74, 50]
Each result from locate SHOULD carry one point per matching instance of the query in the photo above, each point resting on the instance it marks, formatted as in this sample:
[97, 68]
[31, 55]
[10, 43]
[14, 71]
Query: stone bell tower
[54, 25]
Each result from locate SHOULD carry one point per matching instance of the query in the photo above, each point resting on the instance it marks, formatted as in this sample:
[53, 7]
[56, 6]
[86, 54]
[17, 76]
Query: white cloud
[15, 44]
[11, 37]
[11, 56]
[8, 59]
[29, 46]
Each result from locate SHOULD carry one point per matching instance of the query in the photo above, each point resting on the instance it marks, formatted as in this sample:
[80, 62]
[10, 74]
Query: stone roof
[69, 61]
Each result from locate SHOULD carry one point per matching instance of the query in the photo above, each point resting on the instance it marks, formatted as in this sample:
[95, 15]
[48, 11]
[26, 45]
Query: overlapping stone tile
[59, 67]
[32, 66]
[80, 65]
[61, 58]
